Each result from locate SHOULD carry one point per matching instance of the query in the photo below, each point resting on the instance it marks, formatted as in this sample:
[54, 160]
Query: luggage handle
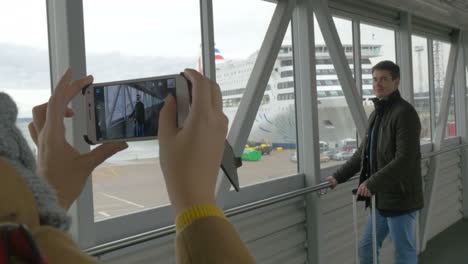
[356, 198]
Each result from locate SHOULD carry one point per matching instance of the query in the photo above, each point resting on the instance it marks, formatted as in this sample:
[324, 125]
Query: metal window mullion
[405, 57]
[439, 136]
[255, 89]
[460, 95]
[465, 134]
[67, 49]
[357, 55]
[307, 120]
[340, 62]
[432, 95]
[208, 47]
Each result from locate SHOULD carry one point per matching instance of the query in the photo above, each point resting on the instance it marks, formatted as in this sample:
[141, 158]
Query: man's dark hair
[388, 66]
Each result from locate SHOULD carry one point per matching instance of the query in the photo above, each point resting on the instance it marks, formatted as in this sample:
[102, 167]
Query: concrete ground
[129, 186]
[448, 247]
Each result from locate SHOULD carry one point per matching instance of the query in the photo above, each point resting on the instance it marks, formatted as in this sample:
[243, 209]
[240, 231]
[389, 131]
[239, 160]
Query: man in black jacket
[139, 115]
[389, 159]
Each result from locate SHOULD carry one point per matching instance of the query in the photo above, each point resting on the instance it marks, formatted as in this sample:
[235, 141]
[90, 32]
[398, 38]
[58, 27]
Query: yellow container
[279, 149]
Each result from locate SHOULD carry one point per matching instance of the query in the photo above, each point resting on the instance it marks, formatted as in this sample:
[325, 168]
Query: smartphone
[129, 110]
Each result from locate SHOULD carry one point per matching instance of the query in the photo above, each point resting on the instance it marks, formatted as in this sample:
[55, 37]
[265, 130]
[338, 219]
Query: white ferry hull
[276, 124]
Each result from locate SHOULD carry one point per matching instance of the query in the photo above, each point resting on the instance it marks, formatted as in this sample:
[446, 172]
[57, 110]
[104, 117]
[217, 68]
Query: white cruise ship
[275, 121]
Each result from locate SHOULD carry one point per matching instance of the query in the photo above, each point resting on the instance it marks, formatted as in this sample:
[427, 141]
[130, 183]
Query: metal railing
[154, 234]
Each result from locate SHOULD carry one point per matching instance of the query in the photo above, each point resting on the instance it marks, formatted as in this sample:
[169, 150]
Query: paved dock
[130, 186]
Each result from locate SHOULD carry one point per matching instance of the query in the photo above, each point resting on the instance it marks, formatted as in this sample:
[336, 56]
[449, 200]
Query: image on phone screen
[130, 110]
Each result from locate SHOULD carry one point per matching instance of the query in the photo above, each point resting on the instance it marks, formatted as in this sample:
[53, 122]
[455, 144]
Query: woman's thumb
[168, 118]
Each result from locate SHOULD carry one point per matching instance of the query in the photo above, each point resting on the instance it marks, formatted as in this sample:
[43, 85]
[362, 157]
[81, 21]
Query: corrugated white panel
[447, 204]
[292, 255]
[273, 233]
[155, 251]
[337, 220]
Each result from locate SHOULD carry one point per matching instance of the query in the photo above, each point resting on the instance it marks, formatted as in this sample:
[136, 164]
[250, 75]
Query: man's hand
[64, 168]
[363, 190]
[333, 181]
[191, 157]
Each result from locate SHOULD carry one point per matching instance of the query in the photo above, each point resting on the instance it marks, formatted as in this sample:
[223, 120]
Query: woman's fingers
[33, 132]
[39, 116]
[201, 92]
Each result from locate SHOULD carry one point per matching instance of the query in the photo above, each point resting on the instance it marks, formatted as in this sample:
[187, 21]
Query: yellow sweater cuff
[196, 212]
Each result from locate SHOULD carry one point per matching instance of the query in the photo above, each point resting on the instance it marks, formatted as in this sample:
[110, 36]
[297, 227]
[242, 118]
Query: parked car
[324, 158]
[330, 153]
[344, 155]
[264, 148]
[293, 156]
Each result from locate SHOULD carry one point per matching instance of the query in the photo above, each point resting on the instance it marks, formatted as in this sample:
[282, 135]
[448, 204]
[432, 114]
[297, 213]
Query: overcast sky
[135, 31]
[152, 28]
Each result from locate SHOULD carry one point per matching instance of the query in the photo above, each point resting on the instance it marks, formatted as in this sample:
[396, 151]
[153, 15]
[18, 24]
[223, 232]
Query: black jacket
[395, 175]
[139, 113]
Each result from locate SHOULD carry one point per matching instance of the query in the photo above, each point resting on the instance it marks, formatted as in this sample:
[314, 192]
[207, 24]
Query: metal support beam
[338, 56]
[114, 105]
[129, 96]
[439, 136]
[208, 57]
[256, 85]
[405, 60]
[307, 121]
[67, 49]
[463, 107]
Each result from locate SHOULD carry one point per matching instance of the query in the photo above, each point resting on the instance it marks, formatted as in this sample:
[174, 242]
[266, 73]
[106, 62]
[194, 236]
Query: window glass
[136, 41]
[337, 131]
[24, 58]
[441, 51]
[240, 28]
[377, 44]
[422, 100]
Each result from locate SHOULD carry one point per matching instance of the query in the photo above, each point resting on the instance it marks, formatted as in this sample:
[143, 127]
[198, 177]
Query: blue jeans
[139, 129]
[402, 230]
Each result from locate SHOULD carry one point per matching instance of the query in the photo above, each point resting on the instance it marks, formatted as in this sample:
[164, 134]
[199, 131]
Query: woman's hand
[191, 157]
[64, 168]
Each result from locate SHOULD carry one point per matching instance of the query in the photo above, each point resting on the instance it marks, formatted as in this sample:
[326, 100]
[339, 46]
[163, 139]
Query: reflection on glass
[337, 131]
[441, 52]
[137, 41]
[24, 58]
[271, 148]
[422, 101]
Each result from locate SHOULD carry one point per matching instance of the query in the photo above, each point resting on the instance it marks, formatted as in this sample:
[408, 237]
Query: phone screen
[130, 110]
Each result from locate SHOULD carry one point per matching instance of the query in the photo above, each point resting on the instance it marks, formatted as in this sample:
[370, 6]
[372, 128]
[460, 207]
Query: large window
[24, 58]
[377, 44]
[422, 95]
[441, 52]
[135, 41]
[240, 28]
[337, 131]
